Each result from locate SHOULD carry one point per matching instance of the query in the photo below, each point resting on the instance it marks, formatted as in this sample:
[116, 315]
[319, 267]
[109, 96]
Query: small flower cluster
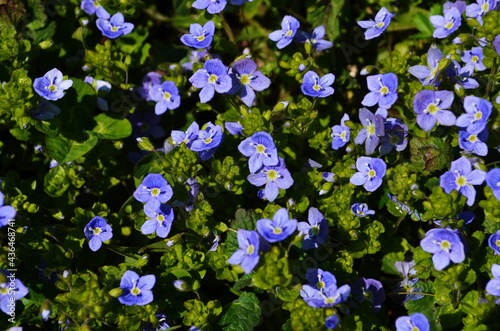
[110, 26]
[205, 141]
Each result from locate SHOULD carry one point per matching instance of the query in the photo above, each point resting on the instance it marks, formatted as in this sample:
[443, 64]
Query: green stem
[227, 28]
[491, 78]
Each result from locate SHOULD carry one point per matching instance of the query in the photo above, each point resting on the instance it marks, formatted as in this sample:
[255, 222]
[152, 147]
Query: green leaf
[243, 314]
[273, 271]
[423, 24]
[65, 150]
[429, 154]
[56, 181]
[111, 127]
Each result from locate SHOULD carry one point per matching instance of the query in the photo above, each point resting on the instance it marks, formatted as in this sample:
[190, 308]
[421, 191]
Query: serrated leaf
[110, 127]
[56, 181]
[243, 314]
[65, 150]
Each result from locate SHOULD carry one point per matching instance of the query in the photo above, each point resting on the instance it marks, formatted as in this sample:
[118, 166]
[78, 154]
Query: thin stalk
[227, 28]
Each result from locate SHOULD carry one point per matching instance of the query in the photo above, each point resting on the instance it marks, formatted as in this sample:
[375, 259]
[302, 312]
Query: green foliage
[441, 205]
[243, 314]
[429, 154]
[200, 314]
[273, 270]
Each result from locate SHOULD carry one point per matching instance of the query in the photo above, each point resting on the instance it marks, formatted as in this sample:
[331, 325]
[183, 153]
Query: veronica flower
[7, 213]
[234, 128]
[493, 286]
[383, 90]
[314, 86]
[429, 74]
[239, 2]
[462, 76]
[199, 36]
[52, 86]
[274, 178]
[395, 136]
[341, 133]
[332, 321]
[496, 44]
[461, 177]
[315, 39]
[154, 190]
[11, 290]
[493, 181]
[247, 256]
[115, 26]
[494, 242]
[445, 245]
[136, 290]
[208, 138]
[474, 59]
[196, 56]
[45, 111]
[431, 107]
[212, 6]
[92, 7]
[261, 149]
[213, 77]
[277, 229]
[447, 24]
[166, 96]
[284, 37]
[245, 76]
[375, 28]
[361, 210]
[179, 137]
[373, 128]
[97, 231]
[315, 230]
[459, 4]
[478, 9]
[416, 321]
[159, 221]
[477, 113]
[146, 124]
[369, 289]
[473, 142]
[327, 297]
[102, 88]
[151, 79]
[370, 173]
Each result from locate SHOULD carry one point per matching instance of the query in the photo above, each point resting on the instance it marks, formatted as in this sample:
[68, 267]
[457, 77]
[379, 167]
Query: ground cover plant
[239, 165]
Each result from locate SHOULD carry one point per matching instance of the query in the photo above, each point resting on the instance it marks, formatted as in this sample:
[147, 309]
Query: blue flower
[370, 173]
[247, 256]
[474, 59]
[274, 178]
[316, 231]
[278, 229]
[406, 291]
[207, 141]
[494, 242]
[213, 77]
[458, 4]
[198, 36]
[97, 231]
[369, 289]
[340, 133]
[429, 74]
[178, 137]
[154, 190]
[493, 181]
[445, 245]
[261, 149]
[45, 111]
[166, 96]
[52, 86]
[151, 79]
[478, 9]
[92, 7]
[146, 124]
[9, 294]
[159, 221]
[461, 177]
[373, 128]
[462, 76]
[496, 44]
[212, 6]
[361, 210]
[327, 297]
[234, 128]
[477, 113]
[383, 90]
[447, 24]
[136, 290]
[315, 39]
[332, 321]
[413, 322]
[284, 37]
[314, 86]
[431, 107]
[245, 76]
[7, 213]
[395, 136]
[493, 286]
[375, 28]
[473, 142]
[115, 26]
